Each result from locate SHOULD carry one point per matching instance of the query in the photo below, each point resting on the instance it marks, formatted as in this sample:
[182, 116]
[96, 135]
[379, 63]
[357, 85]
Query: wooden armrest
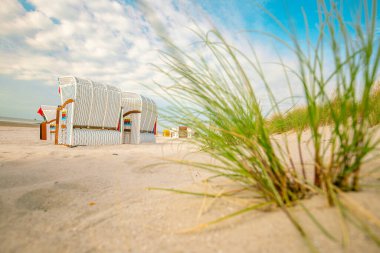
[66, 103]
[130, 112]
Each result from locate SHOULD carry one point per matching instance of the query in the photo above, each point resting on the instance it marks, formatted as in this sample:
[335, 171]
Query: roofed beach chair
[139, 117]
[48, 112]
[89, 114]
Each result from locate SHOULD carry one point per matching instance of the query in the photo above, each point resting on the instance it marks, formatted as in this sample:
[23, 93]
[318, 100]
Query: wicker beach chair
[139, 118]
[93, 112]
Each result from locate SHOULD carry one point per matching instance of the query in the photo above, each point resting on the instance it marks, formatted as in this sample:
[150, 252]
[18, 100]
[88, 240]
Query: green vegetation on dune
[297, 119]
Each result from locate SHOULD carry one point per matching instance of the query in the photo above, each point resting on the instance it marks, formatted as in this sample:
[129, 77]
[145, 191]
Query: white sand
[94, 199]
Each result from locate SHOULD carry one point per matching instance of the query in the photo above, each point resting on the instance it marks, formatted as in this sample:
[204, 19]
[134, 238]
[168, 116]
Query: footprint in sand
[44, 199]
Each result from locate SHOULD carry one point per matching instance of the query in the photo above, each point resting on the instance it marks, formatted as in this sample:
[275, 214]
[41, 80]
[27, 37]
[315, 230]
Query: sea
[18, 120]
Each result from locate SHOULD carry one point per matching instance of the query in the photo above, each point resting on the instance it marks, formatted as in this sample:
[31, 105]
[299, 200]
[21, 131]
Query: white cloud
[14, 20]
[104, 40]
[11, 9]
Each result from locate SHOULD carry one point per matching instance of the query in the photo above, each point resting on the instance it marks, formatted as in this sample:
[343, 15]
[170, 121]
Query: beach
[96, 199]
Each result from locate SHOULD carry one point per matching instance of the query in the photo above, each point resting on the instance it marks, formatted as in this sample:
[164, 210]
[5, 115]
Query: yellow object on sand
[166, 133]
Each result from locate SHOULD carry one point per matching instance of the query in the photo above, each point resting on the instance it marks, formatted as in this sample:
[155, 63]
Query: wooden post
[43, 134]
[58, 116]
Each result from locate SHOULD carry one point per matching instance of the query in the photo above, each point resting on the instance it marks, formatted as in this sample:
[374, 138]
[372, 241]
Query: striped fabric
[142, 124]
[148, 114]
[135, 128]
[96, 106]
[95, 137]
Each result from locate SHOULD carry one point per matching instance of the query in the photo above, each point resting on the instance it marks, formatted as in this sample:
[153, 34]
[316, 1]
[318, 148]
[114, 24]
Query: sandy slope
[94, 199]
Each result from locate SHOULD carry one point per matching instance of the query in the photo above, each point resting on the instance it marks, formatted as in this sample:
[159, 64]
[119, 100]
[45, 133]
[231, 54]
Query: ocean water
[18, 120]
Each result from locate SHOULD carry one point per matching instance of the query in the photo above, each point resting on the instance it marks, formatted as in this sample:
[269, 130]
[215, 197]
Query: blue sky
[114, 41]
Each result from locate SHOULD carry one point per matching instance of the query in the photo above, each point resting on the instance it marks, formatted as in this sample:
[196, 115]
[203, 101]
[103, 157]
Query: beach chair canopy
[96, 104]
[49, 111]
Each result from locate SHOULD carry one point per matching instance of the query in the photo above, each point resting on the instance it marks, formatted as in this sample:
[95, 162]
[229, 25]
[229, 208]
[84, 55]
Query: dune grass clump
[355, 52]
[224, 111]
[213, 93]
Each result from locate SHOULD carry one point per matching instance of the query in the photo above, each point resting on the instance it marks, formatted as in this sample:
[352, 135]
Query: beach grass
[214, 95]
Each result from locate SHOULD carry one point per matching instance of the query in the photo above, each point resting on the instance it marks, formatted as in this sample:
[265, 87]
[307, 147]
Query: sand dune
[94, 199]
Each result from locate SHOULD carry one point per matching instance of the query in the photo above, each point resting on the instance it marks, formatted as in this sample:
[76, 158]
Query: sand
[95, 199]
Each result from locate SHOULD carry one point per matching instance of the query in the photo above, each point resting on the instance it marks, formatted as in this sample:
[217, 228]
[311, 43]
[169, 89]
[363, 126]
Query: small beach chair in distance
[182, 132]
[93, 113]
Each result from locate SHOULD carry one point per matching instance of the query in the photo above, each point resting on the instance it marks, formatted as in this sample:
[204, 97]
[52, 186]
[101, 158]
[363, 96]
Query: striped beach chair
[139, 118]
[90, 113]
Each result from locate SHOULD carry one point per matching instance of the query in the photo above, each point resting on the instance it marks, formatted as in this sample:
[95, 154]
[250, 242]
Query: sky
[116, 42]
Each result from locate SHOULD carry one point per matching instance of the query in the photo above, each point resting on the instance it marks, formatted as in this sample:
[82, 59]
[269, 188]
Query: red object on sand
[59, 90]
[155, 128]
[40, 112]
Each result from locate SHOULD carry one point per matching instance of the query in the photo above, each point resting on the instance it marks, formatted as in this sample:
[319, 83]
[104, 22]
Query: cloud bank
[110, 41]
[104, 40]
